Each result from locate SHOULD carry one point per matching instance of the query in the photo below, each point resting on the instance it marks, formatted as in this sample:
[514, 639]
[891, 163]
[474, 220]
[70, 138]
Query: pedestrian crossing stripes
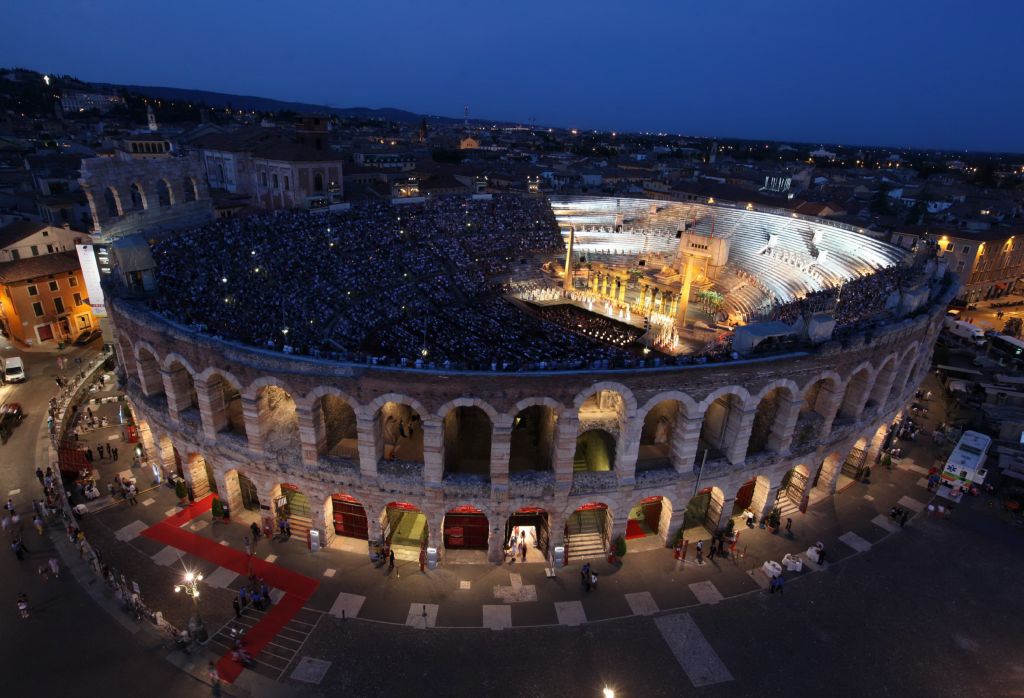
[691, 649]
[570, 613]
[220, 578]
[347, 605]
[911, 503]
[706, 592]
[131, 531]
[855, 542]
[422, 615]
[884, 522]
[642, 603]
[497, 617]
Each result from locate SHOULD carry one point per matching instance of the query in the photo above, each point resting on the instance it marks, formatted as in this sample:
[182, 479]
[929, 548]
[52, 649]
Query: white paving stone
[759, 577]
[171, 512]
[465, 584]
[570, 612]
[422, 615]
[270, 558]
[167, 556]
[131, 531]
[516, 580]
[497, 617]
[706, 592]
[148, 502]
[330, 572]
[691, 649]
[884, 522]
[276, 595]
[12, 493]
[223, 542]
[855, 542]
[922, 482]
[641, 603]
[310, 670]
[869, 498]
[347, 603]
[915, 505]
[220, 578]
[198, 525]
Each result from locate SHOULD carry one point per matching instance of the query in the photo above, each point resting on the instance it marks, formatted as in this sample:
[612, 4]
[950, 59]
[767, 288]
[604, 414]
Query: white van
[965, 330]
[14, 370]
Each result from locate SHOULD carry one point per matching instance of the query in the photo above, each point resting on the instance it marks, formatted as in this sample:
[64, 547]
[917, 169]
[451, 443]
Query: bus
[966, 463]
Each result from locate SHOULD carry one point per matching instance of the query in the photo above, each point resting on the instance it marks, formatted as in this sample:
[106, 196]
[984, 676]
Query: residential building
[24, 239]
[43, 299]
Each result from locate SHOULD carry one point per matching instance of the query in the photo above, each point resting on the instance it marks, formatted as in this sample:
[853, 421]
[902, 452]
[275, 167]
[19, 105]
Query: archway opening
[292, 505]
[225, 406]
[853, 464]
[189, 192]
[656, 436]
[528, 525]
[349, 517]
[703, 514]
[793, 491]
[405, 530]
[645, 518]
[149, 374]
[533, 439]
[336, 434]
[138, 198]
[111, 201]
[184, 387]
[201, 475]
[855, 393]
[595, 452]
[884, 381]
[465, 528]
[467, 442]
[163, 192]
[720, 426]
[279, 422]
[249, 493]
[764, 434]
[399, 433]
[814, 410]
[587, 532]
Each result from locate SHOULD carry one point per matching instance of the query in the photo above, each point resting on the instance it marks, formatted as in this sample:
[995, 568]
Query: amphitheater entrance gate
[405, 530]
[293, 506]
[794, 485]
[349, 517]
[854, 462]
[250, 495]
[744, 496]
[465, 528]
[587, 531]
[644, 519]
[529, 524]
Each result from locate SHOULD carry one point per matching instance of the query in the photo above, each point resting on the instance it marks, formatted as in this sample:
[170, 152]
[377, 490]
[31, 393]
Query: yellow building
[44, 299]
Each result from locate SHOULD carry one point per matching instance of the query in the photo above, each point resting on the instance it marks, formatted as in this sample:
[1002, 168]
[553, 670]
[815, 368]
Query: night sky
[912, 73]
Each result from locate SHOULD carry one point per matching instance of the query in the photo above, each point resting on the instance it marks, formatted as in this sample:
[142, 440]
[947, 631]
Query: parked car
[11, 416]
[87, 337]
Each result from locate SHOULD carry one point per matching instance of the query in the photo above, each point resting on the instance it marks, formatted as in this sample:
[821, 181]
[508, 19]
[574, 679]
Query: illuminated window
[949, 247]
[78, 299]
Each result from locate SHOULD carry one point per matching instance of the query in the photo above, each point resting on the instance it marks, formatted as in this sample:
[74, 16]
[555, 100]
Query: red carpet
[634, 530]
[298, 588]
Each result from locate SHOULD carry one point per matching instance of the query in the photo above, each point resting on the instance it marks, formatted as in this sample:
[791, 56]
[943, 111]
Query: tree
[880, 204]
[1013, 327]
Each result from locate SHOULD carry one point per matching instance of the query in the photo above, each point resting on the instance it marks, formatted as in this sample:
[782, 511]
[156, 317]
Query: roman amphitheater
[649, 416]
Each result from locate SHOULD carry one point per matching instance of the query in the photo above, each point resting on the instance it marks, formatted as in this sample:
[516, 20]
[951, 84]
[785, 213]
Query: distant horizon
[803, 72]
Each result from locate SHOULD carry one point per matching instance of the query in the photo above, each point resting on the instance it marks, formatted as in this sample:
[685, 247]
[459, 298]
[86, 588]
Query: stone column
[311, 440]
[626, 453]
[433, 450]
[229, 491]
[684, 292]
[501, 450]
[150, 378]
[495, 539]
[435, 526]
[622, 290]
[619, 521]
[146, 437]
[769, 503]
[828, 403]
[675, 523]
[685, 442]
[738, 426]
[366, 442]
[177, 389]
[567, 428]
[567, 282]
[556, 531]
[253, 422]
[781, 436]
[213, 411]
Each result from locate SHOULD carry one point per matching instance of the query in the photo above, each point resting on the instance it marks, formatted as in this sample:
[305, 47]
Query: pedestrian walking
[248, 546]
[38, 523]
[700, 552]
[391, 560]
[211, 672]
[903, 518]
[255, 530]
[9, 506]
[23, 605]
[115, 452]
[522, 550]
[711, 549]
[243, 597]
[16, 523]
[131, 494]
[6, 523]
[585, 573]
[54, 567]
[39, 475]
[237, 606]
[287, 529]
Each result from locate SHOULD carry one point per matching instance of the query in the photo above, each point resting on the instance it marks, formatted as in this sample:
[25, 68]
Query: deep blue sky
[931, 73]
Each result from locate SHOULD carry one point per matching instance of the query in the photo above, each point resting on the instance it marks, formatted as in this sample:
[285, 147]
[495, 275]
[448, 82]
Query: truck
[966, 464]
[965, 330]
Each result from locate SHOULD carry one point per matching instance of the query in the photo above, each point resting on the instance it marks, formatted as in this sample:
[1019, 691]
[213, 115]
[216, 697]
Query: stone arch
[179, 385]
[855, 392]
[112, 202]
[534, 435]
[911, 358]
[794, 490]
[405, 528]
[722, 424]
[164, 195]
[828, 472]
[149, 370]
[691, 408]
[659, 429]
[885, 378]
[752, 497]
[650, 518]
[397, 428]
[334, 423]
[817, 408]
[466, 527]
[609, 407]
[588, 530]
[595, 451]
[220, 402]
[467, 428]
[776, 405]
[628, 399]
[189, 190]
[138, 197]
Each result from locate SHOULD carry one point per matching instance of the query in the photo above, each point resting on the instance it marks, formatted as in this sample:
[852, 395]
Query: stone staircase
[300, 527]
[585, 536]
[787, 507]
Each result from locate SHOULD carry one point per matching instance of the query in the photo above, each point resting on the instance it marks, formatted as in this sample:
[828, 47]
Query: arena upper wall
[323, 427]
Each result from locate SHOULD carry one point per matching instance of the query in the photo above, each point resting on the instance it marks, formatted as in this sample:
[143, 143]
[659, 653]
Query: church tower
[151, 118]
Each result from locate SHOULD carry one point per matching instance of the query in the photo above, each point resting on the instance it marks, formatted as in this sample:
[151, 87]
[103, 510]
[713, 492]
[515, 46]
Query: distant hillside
[220, 99]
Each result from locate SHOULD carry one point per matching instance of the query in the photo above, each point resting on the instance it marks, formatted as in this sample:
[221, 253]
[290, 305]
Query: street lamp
[607, 692]
[190, 585]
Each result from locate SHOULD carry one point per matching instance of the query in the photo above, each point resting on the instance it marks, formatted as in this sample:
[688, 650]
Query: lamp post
[190, 585]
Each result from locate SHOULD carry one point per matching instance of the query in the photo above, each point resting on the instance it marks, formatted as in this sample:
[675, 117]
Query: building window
[287, 184]
[263, 178]
[49, 249]
[58, 305]
[54, 286]
[78, 299]
[46, 233]
[35, 250]
[960, 266]
[33, 291]
[72, 280]
[37, 308]
[15, 255]
[949, 247]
